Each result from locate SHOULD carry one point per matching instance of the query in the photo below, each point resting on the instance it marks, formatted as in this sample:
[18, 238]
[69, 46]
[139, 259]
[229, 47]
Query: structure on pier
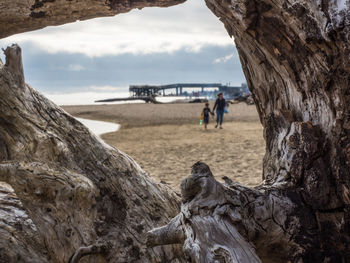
[148, 93]
[159, 90]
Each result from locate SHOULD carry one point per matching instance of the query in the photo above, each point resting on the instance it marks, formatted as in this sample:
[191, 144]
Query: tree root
[172, 233]
[227, 223]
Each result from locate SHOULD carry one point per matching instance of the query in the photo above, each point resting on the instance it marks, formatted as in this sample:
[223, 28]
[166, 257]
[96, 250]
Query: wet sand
[166, 139]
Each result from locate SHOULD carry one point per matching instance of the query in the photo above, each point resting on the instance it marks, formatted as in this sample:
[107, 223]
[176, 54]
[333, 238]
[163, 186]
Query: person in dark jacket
[219, 105]
[205, 113]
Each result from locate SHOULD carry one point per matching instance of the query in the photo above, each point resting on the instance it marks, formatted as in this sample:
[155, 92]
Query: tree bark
[19, 16]
[232, 223]
[295, 56]
[76, 197]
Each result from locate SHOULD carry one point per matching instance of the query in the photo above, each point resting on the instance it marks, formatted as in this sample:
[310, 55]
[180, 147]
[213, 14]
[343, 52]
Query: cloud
[48, 72]
[185, 43]
[190, 26]
[105, 88]
[75, 67]
[224, 59]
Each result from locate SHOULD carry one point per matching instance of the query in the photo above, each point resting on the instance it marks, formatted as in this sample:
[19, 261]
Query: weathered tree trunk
[82, 196]
[19, 16]
[295, 55]
[76, 195]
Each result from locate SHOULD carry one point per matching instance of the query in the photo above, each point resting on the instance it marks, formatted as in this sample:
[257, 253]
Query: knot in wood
[201, 169]
[196, 182]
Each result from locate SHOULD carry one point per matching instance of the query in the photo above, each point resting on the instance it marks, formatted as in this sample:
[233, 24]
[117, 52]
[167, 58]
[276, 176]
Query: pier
[179, 89]
[148, 93]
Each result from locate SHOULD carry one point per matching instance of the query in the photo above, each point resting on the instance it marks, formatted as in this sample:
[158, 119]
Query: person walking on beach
[205, 114]
[219, 105]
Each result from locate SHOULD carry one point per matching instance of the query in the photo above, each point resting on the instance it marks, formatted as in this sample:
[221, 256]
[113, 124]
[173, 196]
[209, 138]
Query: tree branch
[229, 222]
[98, 248]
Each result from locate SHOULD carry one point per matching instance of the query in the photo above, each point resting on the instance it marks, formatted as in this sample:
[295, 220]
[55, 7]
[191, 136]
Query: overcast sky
[185, 43]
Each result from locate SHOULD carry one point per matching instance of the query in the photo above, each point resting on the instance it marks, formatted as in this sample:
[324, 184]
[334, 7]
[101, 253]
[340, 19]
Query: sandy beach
[166, 139]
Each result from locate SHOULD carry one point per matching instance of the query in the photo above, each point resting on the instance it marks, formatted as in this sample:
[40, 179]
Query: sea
[89, 98]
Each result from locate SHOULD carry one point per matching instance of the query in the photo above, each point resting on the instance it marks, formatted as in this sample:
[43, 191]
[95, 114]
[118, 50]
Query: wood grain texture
[19, 16]
[76, 190]
[81, 194]
[295, 56]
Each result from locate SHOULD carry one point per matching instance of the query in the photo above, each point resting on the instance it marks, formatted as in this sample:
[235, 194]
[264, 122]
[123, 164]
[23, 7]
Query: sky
[184, 43]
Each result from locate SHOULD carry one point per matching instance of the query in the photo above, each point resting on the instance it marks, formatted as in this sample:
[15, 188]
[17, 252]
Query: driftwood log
[74, 195]
[19, 16]
[74, 198]
[295, 56]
